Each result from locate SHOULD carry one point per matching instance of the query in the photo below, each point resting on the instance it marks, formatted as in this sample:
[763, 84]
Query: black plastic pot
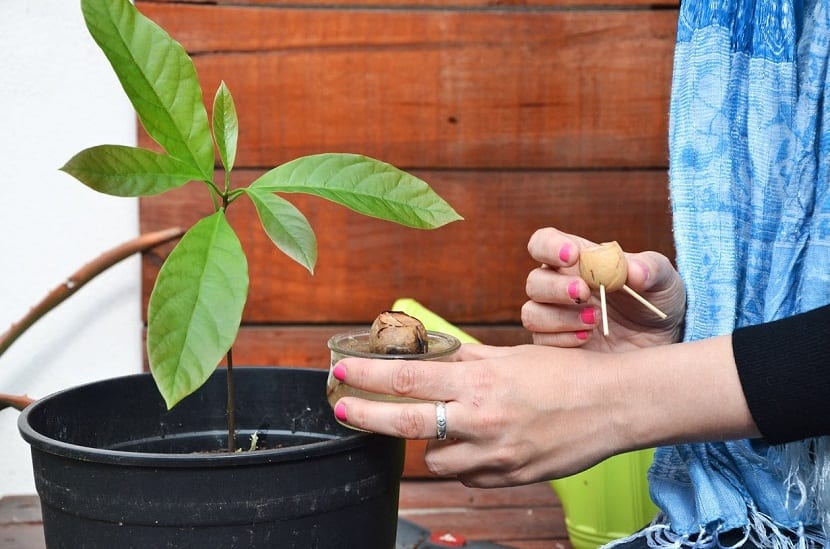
[115, 469]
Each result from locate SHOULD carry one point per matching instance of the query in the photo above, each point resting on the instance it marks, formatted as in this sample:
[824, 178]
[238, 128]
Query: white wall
[58, 95]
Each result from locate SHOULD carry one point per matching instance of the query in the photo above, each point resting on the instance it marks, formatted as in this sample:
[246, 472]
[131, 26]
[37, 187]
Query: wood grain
[442, 4]
[438, 88]
[520, 517]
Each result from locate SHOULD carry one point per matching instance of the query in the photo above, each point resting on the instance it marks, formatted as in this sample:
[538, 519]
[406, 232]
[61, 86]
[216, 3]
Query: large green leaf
[225, 126]
[366, 185]
[286, 226]
[128, 171]
[159, 78]
[196, 307]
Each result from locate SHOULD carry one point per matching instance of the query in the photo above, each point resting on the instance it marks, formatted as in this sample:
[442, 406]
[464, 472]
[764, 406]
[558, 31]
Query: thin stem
[227, 181]
[215, 194]
[233, 195]
[86, 273]
[214, 188]
[231, 406]
[225, 194]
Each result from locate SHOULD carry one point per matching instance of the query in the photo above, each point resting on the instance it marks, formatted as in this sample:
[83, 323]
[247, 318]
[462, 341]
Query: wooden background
[522, 114]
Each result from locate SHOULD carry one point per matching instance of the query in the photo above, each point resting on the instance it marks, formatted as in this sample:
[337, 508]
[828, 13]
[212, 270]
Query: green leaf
[196, 307]
[225, 126]
[128, 171]
[286, 226]
[159, 78]
[366, 185]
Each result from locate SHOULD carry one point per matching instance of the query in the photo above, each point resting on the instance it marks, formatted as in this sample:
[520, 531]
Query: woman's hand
[563, 311]
[515, 415]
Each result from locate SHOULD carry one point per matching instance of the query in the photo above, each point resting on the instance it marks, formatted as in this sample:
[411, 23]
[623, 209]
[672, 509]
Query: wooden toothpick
[644, 301]
[604, 309]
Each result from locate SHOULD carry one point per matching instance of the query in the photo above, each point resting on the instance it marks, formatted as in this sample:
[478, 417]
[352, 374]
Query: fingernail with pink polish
[573, 290]
[582, 334]
[646, 272]
[565, 253]
[339, 372]
[588, 315]
[340, 412]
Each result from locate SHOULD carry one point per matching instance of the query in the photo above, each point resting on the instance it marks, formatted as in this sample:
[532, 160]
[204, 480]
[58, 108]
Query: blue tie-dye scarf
[750, 154]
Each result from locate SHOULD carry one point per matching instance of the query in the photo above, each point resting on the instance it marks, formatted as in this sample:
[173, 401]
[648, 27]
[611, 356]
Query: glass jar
[440, 347]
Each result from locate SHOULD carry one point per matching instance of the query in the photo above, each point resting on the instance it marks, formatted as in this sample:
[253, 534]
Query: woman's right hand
[563, 311]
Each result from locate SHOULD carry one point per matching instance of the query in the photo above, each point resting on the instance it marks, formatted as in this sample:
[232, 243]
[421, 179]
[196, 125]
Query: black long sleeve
[784, 368]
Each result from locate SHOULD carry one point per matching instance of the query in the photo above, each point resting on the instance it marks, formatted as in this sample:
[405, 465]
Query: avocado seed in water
[397, 333]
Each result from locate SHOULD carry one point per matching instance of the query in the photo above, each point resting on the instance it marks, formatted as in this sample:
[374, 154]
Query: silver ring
[441, 420]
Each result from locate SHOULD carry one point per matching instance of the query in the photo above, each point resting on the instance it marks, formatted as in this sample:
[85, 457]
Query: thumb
[651, 272]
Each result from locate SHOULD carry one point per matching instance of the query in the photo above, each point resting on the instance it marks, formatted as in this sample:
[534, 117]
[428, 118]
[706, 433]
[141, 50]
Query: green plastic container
[608, 501]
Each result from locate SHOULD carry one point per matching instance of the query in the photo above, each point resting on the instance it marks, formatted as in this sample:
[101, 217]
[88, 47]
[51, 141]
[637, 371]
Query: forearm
[687, 392]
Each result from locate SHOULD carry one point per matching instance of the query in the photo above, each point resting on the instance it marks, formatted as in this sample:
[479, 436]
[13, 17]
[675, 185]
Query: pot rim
[41, 442]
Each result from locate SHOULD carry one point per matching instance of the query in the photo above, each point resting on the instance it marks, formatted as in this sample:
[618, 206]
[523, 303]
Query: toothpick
[639, 298]
[604, 309]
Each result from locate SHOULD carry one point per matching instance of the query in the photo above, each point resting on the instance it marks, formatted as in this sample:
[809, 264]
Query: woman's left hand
[515, 415]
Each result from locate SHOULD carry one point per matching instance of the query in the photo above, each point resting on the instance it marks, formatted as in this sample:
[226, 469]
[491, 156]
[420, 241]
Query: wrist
[687, 392]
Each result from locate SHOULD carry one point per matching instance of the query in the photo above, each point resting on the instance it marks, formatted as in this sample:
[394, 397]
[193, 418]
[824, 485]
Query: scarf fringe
[760, 532]
[805, 468]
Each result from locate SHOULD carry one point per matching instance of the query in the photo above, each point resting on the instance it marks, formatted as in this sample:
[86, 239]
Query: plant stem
[216, 190]
[86, 273]
[233, 195]
[215, 194]
[231, 406]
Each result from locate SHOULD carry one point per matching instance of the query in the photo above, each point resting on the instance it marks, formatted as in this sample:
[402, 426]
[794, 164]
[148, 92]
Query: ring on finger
[441, 420]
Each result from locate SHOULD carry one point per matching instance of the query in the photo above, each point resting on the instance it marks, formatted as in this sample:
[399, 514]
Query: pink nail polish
[339, 372]
[573, 290]
[646, 272]
[582, 334]
[588, 315]
[340, 412]
[565, 253]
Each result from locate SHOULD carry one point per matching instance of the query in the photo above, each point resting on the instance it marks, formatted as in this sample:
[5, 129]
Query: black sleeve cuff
[784, 368]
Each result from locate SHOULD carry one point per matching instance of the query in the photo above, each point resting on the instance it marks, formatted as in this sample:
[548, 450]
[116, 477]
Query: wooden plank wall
[522, 114]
